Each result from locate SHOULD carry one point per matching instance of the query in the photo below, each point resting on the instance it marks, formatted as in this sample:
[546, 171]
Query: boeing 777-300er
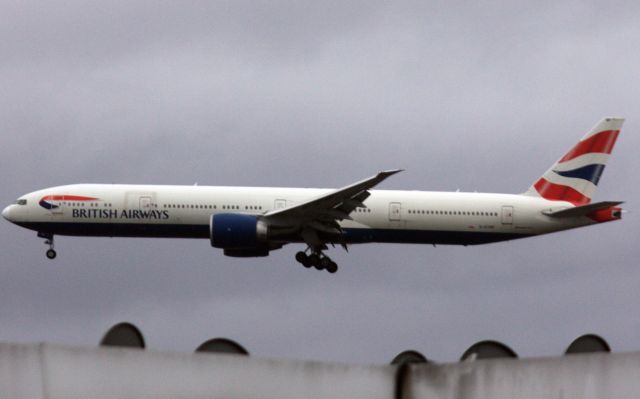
[252, 221]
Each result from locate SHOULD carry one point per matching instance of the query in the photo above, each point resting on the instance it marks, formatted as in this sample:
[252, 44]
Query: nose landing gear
[51, 253]
[318, 260]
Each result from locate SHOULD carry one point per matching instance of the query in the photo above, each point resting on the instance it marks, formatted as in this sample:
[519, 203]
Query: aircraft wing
[321, 214]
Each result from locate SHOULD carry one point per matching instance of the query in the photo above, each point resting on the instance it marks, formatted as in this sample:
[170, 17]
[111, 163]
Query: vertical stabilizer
[574, 178]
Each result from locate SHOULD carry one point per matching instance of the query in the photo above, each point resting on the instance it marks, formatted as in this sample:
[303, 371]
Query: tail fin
[575, 176]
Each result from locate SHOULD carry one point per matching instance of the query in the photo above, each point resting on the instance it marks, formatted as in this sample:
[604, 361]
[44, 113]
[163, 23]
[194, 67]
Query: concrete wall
[582, 376]
[58, 372]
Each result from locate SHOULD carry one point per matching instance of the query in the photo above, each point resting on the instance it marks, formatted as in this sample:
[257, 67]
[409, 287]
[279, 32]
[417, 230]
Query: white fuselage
[186, 211]
[252, 221]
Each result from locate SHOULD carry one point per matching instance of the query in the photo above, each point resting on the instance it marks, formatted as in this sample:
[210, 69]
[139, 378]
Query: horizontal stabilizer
[583, 210]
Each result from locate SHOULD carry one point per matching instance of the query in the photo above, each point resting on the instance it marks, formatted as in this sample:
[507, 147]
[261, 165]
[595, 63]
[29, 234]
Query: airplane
[252, 221]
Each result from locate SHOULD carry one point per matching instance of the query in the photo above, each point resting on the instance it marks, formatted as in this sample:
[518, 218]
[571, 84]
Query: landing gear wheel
[302, 258]
[48, 240]
[317, 259]
[314, 260]
[332, 268]
[325, 263]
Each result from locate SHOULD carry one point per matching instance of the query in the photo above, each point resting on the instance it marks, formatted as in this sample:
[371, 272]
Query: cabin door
[507, 215]
[145, 203]
[395, 211]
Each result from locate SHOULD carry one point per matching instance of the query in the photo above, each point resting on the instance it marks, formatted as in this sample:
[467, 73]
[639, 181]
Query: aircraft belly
[428, 236]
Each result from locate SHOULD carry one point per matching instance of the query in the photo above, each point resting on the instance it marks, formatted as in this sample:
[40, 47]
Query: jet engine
[239, 235]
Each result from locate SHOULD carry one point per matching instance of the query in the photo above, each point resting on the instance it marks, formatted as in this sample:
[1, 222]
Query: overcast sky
[476, 96]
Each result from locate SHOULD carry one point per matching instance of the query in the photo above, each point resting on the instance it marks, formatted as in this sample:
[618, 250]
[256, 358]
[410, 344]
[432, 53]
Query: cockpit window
[21, 202]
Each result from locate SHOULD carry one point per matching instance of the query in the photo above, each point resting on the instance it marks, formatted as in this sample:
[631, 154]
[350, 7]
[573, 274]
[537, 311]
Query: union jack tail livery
[575, 176]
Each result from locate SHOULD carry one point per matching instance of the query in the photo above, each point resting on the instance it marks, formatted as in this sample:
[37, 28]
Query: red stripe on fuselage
[556, 192]
[67, 198]
[602, 142]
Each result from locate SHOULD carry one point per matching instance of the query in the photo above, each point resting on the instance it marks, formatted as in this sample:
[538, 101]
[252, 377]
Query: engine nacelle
[247, 253]
[235, 231]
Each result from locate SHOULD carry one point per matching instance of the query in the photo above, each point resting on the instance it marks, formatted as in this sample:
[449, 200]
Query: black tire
[325, 263]
[51, 254]
[333, 267]
[301, 257]
[314, 260]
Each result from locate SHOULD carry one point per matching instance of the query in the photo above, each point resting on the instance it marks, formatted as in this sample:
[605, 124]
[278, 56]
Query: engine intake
[234, 231]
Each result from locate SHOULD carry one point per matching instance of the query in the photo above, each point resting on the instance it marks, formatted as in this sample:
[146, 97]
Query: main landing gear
[318, 260]
[51, 253]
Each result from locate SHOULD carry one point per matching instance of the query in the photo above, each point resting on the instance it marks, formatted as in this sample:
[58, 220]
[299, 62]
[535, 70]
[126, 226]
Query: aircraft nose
[6, 213]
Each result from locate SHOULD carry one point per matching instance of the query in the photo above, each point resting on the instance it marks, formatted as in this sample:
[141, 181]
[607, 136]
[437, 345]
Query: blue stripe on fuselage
[351, 235]
[403, 236]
